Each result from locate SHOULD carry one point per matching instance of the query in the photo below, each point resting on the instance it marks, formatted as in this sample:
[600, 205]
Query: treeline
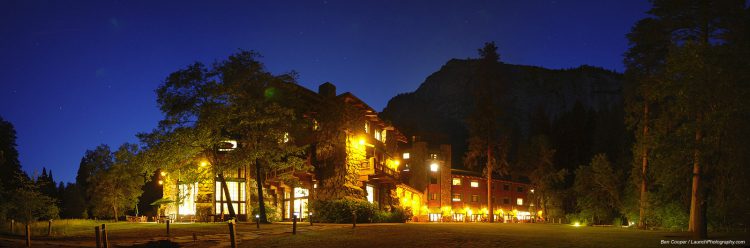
[674, 154]
[109, 185]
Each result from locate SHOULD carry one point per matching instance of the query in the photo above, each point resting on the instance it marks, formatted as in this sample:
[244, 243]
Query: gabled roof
[371, 115]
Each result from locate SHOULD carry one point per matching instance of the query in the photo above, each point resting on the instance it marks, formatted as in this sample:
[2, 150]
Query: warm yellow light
[469, 212]
[396, 162]
[203, 163]
[361, 141]
[161, 182]
[434, 167]
[163, 173]
[576, 224]
[539, 213]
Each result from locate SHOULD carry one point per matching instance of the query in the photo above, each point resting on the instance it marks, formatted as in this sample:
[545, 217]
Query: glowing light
[406, 155]
[203, 163]
[161, 182]
[257, 216]
[576, 224]
[163, 173]
[361, 141]
[396, 162]
[468, 211]
[532, 190]
[539, 213]
[434, 167]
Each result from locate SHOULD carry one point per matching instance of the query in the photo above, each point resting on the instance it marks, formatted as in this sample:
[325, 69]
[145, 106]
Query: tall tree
[92, 163]
[685, 47]
[235, 99]
[544, 176]
[485, 122]
[116, 189]
[597, 189]
[11, 175]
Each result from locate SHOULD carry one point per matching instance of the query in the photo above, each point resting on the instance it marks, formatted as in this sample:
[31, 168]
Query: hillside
[437, 110]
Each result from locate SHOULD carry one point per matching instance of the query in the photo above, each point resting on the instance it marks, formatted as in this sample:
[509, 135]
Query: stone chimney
[327, 89]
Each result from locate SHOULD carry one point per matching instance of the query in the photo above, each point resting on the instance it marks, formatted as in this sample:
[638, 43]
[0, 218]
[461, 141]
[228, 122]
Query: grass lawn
[80, 233]
[476, 235]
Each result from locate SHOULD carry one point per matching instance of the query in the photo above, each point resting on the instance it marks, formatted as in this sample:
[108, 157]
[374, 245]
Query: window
[456, 197]
[474, 184]
[436, 217]
[456, 181]
[519, 201]
[433, 196]
[382, 136]
[433, 180]
[377, 134]
[367, 127]
[474, 198]
[506, 187]
[370, 193]
[187, 195]
[506, 200]
[237, 195]
[406, 155]
[519, 189]
[433, 155]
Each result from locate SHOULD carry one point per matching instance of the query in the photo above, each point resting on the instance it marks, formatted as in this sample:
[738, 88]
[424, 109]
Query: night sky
[77, 74]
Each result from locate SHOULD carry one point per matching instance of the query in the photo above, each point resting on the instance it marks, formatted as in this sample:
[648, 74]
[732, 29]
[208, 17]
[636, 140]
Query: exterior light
[361, 141]
[396, 162]
[532, 191]
[257, 216]
[161, 182]
[406, 155]
[434, 167]
[576, 224]
[163, 173]
[203, 163]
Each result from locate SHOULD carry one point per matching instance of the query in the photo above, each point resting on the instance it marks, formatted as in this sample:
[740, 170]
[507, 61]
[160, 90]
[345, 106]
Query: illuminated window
[519, 201]
[367, 127]
[406, 155]
[475, 184]
[370, 193]
[237, 195]
[474, 198]
[456, 197]
[434, 167]
[435, 217]
[377, 134]
[382, 135]
[456, 181]
[187, 197]
[433, 196]
[433, 156]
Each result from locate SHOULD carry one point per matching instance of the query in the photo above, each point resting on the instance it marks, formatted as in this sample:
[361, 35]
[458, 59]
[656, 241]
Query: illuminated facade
[460, 195]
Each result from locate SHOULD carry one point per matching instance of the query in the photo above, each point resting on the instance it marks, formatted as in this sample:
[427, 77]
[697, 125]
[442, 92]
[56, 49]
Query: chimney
[327, 89]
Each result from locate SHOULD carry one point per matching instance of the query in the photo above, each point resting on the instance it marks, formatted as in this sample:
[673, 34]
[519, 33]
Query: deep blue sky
[76, 74]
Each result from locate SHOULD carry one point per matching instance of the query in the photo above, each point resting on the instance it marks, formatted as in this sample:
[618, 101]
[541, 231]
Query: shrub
[272, 213]
[340, 211]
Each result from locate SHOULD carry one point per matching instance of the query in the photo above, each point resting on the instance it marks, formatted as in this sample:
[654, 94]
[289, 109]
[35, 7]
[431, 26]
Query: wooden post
[105, 239]
[12, 226]
[309, 217]
[167, 227]
[49, 228]
[294, 224]
[28, 236]
[98, 237]
[232, 240]
[354, 219]
[257, 221]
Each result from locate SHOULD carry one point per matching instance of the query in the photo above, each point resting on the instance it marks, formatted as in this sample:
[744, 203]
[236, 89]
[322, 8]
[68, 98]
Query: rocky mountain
[437, 110]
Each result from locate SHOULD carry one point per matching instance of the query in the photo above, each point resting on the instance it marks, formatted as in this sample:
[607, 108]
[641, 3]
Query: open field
[81, 234]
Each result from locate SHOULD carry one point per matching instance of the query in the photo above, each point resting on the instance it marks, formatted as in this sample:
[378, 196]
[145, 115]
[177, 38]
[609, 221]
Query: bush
[272, 213]
[340, 211]
[398, 215]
